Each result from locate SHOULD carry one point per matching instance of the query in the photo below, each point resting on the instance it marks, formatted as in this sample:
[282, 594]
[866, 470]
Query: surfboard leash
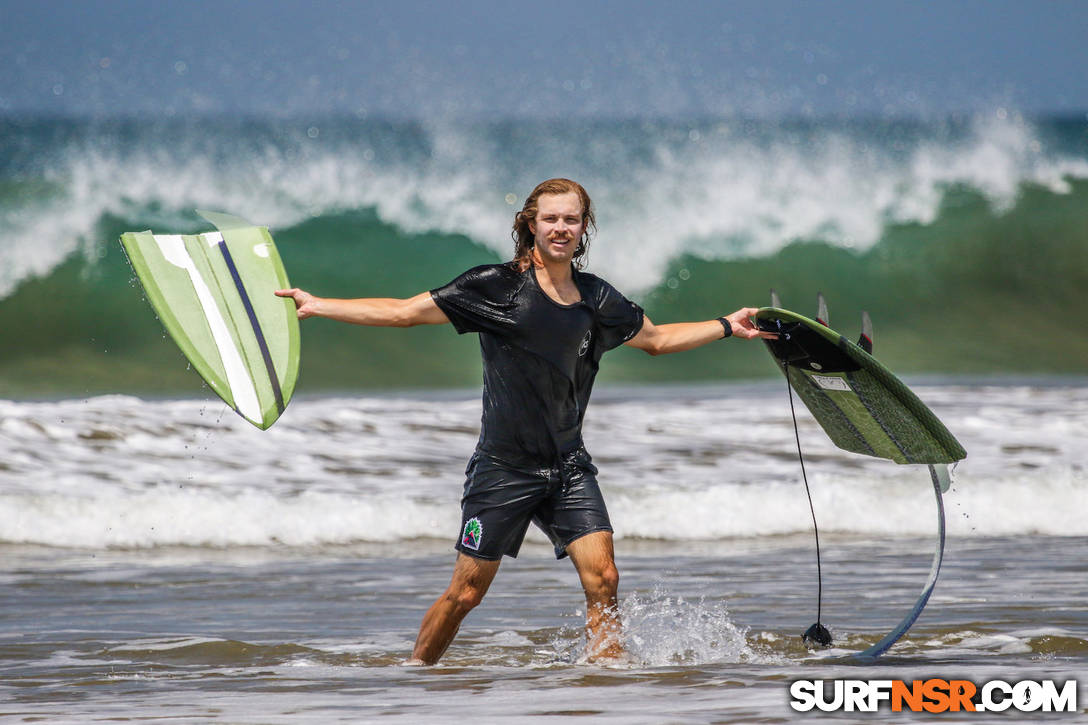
[817, 634]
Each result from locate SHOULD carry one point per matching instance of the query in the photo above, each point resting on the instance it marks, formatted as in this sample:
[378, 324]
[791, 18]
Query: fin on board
[865, 342]
[821, 310]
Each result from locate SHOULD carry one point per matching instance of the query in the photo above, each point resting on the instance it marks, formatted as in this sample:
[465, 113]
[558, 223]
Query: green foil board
[858, 402]
[213, 292]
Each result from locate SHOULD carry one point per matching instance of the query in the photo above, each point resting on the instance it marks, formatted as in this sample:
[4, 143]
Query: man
[543, 327]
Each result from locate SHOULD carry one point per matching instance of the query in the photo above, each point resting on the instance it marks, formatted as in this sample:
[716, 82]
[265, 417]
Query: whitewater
[722, 189]
[678, 464]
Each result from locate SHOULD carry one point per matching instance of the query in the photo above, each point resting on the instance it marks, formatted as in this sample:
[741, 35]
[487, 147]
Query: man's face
[558, 226]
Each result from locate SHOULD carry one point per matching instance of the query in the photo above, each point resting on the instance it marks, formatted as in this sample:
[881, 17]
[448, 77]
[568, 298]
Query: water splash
[661, 629]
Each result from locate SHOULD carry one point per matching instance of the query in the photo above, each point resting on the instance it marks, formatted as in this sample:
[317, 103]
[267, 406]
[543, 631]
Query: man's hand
[305, 303]
[741, 322]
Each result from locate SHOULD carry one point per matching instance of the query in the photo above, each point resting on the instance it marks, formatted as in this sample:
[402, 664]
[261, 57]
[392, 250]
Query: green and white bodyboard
[213, 292]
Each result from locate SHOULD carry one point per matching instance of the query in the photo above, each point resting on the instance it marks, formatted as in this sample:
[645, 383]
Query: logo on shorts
[473, 533]
[585, 343]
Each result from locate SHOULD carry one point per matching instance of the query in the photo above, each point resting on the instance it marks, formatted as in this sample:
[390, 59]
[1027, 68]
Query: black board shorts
[499, 501]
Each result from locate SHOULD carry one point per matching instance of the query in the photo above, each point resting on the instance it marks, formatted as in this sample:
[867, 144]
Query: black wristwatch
[728, 326]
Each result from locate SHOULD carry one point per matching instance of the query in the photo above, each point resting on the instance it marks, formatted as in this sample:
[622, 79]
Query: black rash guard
[540, 357]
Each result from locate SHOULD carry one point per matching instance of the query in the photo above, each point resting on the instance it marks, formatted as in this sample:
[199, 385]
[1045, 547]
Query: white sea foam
[715, 190]
[681, 464]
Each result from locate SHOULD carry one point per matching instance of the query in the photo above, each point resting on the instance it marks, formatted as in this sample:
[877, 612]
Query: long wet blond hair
[523, 236]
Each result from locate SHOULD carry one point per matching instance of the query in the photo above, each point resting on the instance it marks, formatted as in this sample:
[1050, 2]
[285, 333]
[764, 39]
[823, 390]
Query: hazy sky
[482, 59]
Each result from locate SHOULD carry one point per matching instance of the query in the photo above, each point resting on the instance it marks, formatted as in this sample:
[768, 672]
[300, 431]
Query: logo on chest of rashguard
[585, 343]
[473, 534]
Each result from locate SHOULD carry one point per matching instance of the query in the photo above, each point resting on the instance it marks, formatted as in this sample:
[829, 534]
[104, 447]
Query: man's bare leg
[471, 579]
[594, 559]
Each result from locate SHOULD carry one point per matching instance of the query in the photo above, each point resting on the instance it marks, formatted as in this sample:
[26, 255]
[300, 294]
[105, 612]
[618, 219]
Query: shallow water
[712, 630]
[164, 560]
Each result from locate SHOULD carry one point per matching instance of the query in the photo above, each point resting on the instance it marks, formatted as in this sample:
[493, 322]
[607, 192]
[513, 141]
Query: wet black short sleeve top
[540, 357]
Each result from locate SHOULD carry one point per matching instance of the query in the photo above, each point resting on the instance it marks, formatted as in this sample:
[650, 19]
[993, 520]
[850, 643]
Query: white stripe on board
[241, 386]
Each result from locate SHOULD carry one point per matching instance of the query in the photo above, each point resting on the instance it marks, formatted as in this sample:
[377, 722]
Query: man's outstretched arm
[377, 311]
[679, 336]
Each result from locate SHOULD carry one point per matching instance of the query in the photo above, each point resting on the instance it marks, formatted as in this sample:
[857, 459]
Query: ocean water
[946, 232]
[163, 558]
